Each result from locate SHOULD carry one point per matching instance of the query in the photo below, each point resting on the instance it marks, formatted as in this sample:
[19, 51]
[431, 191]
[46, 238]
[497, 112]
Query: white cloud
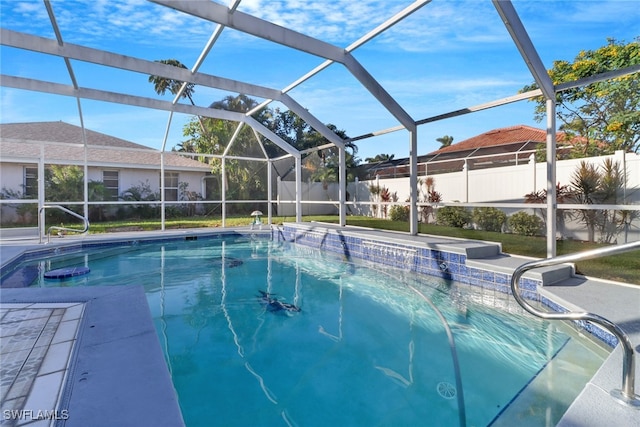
[100, 23]
[339, 21]
[450, 85]
[447, 55]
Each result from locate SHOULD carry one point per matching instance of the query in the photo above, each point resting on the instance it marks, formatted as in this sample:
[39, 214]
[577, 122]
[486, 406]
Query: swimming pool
[370, 345]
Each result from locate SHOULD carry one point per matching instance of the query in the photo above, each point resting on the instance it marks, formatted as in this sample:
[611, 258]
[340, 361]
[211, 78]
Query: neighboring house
[495, 148]
[117, 163]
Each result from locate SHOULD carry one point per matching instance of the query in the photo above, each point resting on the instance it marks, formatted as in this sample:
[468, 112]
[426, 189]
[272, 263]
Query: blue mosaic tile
[501, 279]
[488, 276]
[462, 279]
[456, 258]
[474, 280]
[603, 335]
[491, 286]
[529, 284]
[502, 288]
[475, 273]
[463, 270]
[530, 295]
[553, 305]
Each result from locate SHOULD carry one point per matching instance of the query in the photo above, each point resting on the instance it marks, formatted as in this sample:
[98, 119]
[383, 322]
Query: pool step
[21, 278]
[507, 264]
[563, 377]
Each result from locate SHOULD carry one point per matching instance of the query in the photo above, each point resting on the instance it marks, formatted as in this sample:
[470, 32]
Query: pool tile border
[414, 257]
[69, 247]
[450, 264]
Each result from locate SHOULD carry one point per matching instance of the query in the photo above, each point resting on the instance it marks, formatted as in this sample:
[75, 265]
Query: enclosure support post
[269, 193]
[162, 192]
[413, 181]
[342, 187]
[298, 188]
[41, 195]
[85, 168]
[552, 203]
[224, 191]
[164, 146]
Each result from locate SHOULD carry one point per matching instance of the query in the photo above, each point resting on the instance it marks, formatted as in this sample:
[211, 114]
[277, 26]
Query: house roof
[493, 146]
[63, 142]
[61, 132]
[519, 134]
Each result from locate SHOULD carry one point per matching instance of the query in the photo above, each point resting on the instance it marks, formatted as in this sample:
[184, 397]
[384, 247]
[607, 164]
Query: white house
[27, 148]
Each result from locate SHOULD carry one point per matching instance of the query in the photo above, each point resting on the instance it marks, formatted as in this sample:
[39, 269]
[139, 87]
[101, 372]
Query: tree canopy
[247, 178]
[210, 136]
[600, 117]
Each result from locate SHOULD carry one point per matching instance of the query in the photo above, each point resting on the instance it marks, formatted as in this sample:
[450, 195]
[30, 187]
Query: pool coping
[615, 301]
[37, 341]
[117, 354]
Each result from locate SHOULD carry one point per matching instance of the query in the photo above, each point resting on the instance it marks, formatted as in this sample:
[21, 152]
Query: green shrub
[142, 192]
[489, 219]
[525, 224]
[453, 216]
[399, 213]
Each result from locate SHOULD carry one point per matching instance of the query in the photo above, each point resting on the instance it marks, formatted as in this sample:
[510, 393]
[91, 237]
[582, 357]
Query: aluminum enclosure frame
[229, 16]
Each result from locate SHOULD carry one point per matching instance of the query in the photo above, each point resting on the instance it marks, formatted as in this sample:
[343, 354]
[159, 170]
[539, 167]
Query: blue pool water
[369, 346]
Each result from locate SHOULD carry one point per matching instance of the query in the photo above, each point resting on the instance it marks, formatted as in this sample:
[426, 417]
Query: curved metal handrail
[53, 227]
[626, 395]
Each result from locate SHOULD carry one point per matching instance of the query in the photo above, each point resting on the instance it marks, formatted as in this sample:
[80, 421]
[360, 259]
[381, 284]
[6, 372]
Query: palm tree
[163, 84]
[325, 176]
[380, 158]
[187, 146]
[445, 141]
[240, 104]
[586, 181]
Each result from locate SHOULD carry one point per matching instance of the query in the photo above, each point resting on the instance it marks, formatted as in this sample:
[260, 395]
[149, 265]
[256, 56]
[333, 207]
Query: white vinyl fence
[498, 186]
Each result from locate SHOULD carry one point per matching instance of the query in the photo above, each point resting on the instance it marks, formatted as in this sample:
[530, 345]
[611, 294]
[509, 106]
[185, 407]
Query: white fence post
[532, 163]
[465, 171]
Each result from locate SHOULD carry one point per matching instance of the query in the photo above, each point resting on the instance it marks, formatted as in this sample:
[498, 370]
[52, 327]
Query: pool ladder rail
[54, 227]
[626, 395]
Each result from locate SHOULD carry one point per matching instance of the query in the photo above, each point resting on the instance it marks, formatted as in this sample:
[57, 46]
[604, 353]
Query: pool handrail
[626, 394]
[54, 227]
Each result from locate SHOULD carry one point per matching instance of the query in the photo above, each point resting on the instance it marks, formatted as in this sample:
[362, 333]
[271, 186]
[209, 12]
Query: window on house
[31, 183]
[111, 182]
[211, 187]
[171, 186]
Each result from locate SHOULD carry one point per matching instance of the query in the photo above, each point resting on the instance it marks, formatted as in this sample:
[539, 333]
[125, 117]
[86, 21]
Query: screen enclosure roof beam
[524, 44]
[138, 101]
[266, 30]
[129, 63]
[100, 57]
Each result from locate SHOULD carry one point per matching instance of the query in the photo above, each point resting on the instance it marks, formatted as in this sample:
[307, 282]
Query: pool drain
[446, 390]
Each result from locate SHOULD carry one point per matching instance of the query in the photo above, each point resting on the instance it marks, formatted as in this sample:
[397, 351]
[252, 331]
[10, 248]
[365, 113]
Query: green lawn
[623, 268]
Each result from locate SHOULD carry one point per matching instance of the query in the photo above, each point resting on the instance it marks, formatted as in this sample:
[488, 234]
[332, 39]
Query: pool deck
[115, 370]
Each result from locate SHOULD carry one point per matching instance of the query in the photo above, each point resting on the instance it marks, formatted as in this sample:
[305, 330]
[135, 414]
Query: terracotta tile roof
[63, 143]
[519, 134]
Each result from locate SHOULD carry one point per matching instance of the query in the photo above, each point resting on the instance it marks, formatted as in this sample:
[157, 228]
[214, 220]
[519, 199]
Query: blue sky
[446, 56]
